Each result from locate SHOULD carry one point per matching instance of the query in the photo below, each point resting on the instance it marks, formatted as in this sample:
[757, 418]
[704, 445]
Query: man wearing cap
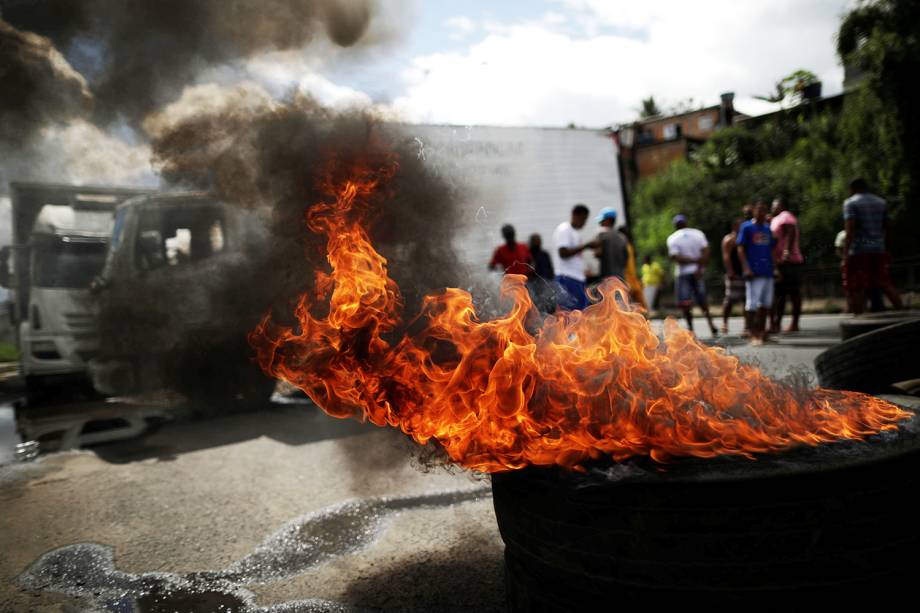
[567, 260]
[689, 250]
[611, 245]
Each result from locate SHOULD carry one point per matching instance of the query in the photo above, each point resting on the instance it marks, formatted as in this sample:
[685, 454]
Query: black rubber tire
[819, 537]
[861, 324]
[871, 362]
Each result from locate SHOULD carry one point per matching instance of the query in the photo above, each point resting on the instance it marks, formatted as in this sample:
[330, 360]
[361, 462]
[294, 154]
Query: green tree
[795, 156]
[649, 108]
[880, 126]
[809, 156]
[791, 89]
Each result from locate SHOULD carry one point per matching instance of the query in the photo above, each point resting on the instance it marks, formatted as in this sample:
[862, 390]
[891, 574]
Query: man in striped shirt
[865, 218]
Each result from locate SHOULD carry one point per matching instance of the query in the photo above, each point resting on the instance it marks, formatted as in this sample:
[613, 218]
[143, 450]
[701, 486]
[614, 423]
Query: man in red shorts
[513, 257]
[865, 216]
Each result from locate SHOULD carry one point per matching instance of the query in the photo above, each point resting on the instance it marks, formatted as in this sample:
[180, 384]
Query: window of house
[670, 131]
[704, 123]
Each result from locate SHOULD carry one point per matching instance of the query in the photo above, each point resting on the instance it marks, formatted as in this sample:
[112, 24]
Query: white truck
[60, 239]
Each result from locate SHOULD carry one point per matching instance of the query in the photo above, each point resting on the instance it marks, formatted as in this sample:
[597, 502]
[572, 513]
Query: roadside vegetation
[807, 153]
[8, 352]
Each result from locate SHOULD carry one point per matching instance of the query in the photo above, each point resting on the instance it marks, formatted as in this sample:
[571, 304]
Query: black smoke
[137, 55]
[37, 85]
[275, 159]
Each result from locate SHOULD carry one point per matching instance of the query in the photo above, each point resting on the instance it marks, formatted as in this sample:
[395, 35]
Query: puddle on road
[87, 570]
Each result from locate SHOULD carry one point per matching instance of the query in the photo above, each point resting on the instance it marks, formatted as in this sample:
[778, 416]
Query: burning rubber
[517, 390]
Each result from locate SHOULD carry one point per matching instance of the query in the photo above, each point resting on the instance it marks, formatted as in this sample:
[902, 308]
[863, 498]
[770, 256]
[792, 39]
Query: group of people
[763, 262]
[761, 254]
[564, 269]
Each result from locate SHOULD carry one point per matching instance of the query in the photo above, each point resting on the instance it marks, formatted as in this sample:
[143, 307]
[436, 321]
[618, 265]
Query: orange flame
[498, 396]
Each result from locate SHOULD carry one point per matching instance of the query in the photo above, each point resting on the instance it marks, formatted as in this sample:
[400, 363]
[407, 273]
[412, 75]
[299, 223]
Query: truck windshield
[67, 264]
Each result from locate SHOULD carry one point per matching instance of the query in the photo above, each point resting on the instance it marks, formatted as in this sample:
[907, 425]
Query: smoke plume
[137, 55]
[38, 85]
[256, 153]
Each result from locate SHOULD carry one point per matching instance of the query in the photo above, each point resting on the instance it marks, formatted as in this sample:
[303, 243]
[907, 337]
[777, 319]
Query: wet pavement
[284, 509]
[281, 509]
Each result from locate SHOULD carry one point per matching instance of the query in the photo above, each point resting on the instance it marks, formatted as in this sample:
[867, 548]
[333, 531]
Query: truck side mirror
[5, 267]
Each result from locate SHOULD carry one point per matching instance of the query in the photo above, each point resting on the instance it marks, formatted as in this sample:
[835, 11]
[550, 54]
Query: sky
[545, 63]
[555, 62]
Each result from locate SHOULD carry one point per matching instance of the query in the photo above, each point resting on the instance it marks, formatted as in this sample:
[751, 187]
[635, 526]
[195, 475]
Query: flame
[510, 392]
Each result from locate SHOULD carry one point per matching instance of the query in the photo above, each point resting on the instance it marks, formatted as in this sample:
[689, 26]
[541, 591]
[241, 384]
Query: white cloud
[544, 72]
[331, 95]
[460, 27]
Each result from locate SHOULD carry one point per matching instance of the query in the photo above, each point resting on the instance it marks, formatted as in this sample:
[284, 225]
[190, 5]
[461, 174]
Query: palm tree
[649, 108]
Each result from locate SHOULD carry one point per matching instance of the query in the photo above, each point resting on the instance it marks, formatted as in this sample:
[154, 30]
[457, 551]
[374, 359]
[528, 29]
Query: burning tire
[818, 527]
[871, 362]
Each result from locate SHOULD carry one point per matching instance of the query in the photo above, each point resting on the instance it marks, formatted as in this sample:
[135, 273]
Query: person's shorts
[864, 271]
[790, 278]
[759, 293]
[573, 294]
[689, 290]
[734, 289]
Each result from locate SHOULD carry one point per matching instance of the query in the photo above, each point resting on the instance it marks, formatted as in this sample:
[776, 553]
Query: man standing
[734, 276]
[755, 248]
[611, 248]
[542, 262]
[865, 217]
[541, 283]
[788, 255]
[567, 260]
[689, 249]
[513, 257]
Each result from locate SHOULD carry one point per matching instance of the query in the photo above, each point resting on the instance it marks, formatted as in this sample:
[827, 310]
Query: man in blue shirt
[755, 249]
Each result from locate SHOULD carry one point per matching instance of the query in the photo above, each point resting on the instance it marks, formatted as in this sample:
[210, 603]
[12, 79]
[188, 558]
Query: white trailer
[528, 177]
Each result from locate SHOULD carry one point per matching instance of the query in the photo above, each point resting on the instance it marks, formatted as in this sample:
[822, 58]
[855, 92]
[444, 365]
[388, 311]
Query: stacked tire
[872, 360]
[825, 537]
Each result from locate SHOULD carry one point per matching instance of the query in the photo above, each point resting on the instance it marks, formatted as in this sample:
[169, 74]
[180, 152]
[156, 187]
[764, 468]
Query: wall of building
[698, 124]
[652, 159]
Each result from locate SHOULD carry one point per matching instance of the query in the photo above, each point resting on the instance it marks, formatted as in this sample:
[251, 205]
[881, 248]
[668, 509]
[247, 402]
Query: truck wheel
[871, 362]
[220, 378]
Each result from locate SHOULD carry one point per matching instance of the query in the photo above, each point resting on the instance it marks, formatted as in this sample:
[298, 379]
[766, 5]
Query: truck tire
[874, 321]
[218, 376]
[872, 361]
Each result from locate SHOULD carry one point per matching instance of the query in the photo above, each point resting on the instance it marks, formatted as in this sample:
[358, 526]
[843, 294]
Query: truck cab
[60, 236]
[174, 299]
[67, 251]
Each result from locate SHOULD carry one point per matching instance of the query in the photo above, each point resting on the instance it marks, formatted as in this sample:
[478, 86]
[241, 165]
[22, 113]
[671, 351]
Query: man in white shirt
[567, 260]
[689, 249]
